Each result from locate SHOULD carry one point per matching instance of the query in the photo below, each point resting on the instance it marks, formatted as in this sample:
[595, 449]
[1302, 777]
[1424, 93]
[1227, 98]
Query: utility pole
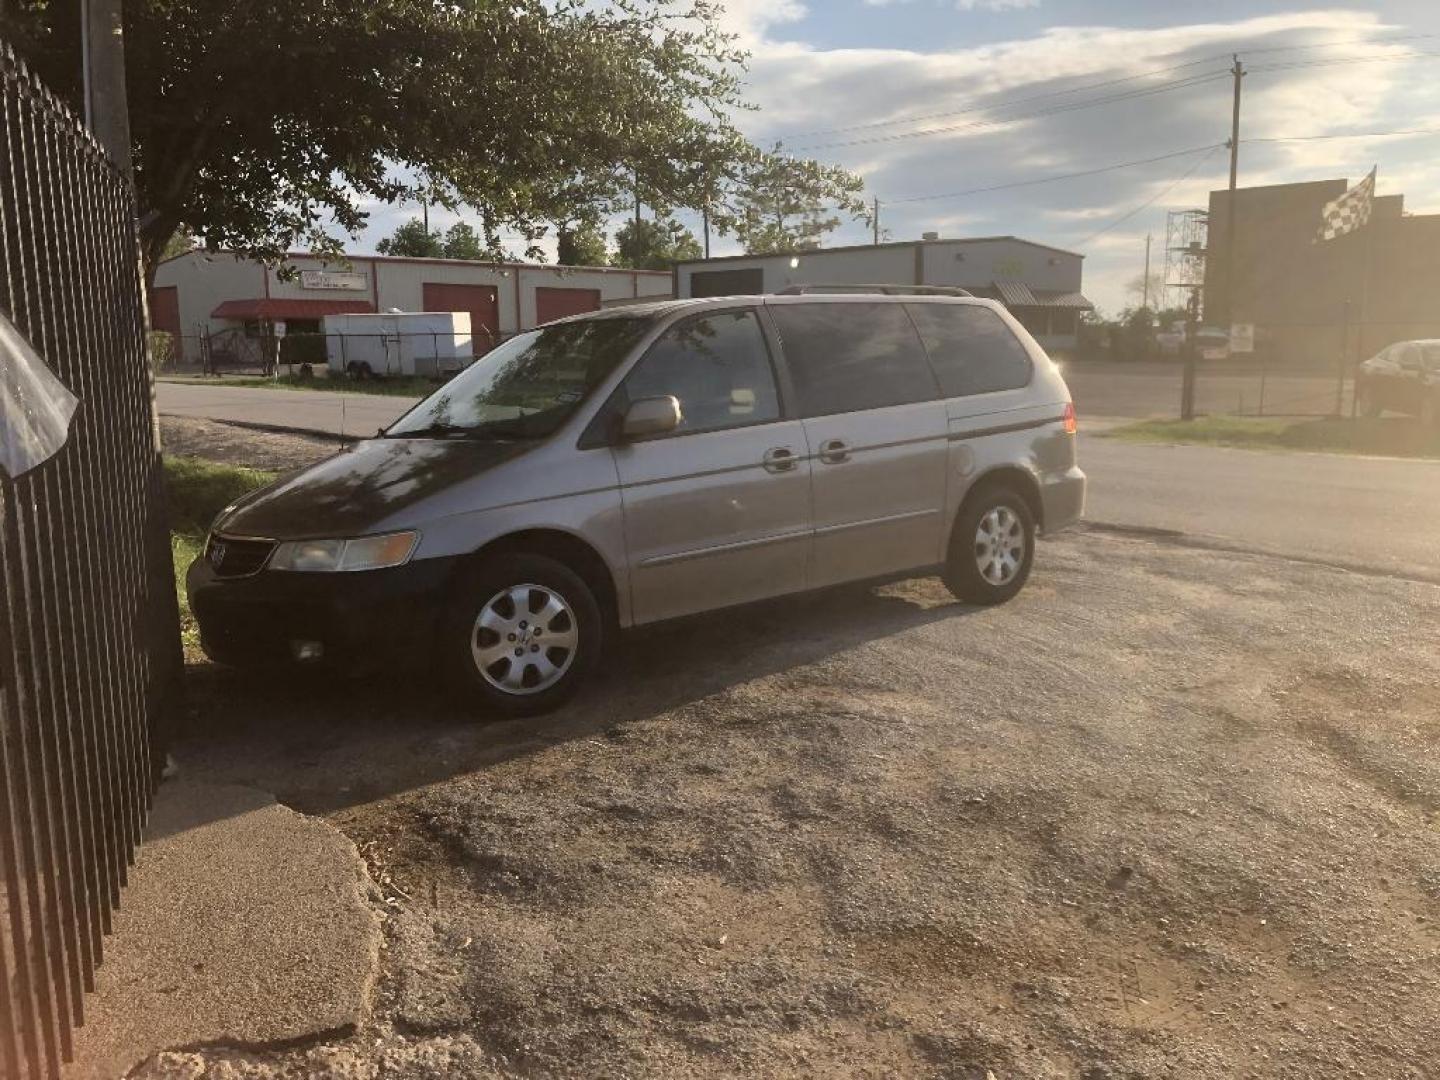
[705, 222]
[1237, 71]
[1192, 349]
[425, 212]
[1145, 288]
[875, 221]
[107, 114]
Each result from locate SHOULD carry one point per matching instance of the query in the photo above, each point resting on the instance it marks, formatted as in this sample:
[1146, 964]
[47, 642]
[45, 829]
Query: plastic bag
[35, 406]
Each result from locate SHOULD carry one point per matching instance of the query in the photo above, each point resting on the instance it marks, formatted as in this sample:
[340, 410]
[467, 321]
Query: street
[1375, 514]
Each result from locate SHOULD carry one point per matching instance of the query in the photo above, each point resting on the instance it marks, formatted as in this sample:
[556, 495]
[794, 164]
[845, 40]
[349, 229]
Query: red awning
[275, 308]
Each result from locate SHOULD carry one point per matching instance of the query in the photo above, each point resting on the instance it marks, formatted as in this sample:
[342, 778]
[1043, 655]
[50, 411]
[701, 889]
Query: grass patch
[197, 491]
[391, 386]
[1387, 436]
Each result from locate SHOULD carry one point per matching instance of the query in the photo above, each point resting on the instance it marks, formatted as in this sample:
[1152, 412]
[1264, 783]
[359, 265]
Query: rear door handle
[779, 459]
[833, 452]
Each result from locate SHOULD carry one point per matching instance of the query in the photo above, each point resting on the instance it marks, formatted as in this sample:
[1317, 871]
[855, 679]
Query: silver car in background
[652, 462]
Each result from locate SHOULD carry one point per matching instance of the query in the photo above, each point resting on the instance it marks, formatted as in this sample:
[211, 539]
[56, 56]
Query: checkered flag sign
[1350, 211]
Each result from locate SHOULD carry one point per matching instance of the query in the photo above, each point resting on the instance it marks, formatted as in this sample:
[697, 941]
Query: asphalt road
[1370, 513]
[1145, 390]
[311, 410]
[1377, 514]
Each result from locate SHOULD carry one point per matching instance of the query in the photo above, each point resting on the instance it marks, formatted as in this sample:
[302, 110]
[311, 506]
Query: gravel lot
[1171, 813]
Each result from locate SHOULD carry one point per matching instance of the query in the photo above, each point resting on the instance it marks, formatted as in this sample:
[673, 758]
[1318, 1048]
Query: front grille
[233, 556]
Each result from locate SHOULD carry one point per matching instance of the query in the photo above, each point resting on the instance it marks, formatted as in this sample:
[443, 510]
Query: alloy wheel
[1000, 545]
[524, 639]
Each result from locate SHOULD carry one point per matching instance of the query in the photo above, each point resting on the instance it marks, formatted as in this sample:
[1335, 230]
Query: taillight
[1069, 418]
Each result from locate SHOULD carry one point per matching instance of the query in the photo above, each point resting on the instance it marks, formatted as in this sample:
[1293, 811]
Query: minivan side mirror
[650, 416]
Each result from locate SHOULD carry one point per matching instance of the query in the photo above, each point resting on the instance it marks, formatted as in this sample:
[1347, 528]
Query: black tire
[462, 633]
[1366, 403]
[963, 575]
[1430, 410]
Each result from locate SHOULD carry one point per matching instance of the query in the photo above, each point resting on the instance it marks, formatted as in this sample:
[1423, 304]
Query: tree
[658, 244]
[181, 242]
[269, 125]
[1136, 289]
[581, 243]
[413, 240]
[463, 242]
[784, 204]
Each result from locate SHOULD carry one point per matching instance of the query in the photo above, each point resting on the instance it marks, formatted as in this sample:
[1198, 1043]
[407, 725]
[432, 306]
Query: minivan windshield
[527, 387]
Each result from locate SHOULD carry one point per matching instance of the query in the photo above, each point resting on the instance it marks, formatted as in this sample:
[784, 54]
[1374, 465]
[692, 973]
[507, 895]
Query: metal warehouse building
[1038, 283]
[202, 293]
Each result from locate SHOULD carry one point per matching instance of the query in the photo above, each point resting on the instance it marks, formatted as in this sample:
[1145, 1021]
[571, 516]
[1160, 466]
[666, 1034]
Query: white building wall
[204, 281]
[967, 263]
[979, 263]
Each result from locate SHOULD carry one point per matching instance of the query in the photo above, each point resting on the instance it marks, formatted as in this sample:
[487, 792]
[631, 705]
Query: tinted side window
[973, 351]
[716, 366]
[847, 357]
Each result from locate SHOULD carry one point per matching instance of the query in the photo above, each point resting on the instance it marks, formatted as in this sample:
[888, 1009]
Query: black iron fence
[89, 648]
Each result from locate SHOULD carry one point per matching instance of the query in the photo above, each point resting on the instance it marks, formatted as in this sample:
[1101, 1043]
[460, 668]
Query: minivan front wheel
[992, 547]
[524, 632]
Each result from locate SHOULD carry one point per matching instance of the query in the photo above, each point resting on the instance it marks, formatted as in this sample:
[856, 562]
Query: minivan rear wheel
[524, 633]
[992, 547]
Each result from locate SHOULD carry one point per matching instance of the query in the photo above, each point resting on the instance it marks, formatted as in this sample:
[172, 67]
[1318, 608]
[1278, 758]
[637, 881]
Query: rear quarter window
[848, 357]
[972, 349]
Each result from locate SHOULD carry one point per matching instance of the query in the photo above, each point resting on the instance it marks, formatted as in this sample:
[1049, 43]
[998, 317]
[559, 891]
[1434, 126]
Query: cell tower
[1186, 243]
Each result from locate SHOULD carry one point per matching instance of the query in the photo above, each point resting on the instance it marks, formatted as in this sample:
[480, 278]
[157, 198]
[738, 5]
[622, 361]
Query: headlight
[366, 553]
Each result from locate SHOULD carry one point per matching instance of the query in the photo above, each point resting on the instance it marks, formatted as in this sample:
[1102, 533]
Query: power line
[1055, 179]
[1339, 60]
[1186, 175]
[1178, 84]
[1005, 102]
[1342, 135]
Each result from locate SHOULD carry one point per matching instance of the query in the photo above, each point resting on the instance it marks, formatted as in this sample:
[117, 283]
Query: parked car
[630, 466]
[1403, 378]
[1213, 342]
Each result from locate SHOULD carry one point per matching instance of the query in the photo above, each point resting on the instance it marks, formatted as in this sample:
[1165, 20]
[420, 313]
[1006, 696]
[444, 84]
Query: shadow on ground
[322, 742]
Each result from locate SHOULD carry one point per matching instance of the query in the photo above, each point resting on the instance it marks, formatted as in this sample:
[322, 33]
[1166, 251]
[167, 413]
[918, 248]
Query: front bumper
[359, 619]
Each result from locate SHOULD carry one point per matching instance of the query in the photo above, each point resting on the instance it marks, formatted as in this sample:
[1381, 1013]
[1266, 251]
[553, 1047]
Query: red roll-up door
[558, 303]
[481, 301]
[165, 315]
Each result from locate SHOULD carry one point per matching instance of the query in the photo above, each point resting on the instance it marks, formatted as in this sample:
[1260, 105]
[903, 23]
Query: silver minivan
[646, 463]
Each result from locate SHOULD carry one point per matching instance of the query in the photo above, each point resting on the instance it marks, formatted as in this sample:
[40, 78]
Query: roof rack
[884, 290]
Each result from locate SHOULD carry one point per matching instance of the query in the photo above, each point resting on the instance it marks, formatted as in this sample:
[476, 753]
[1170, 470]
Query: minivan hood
[362, 488]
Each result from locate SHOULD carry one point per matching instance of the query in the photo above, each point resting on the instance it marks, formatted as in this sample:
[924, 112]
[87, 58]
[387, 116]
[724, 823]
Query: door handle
[833, 452]
[779, 459]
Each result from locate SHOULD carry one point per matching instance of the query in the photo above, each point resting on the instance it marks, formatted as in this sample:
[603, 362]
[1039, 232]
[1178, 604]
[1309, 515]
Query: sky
[852, 82]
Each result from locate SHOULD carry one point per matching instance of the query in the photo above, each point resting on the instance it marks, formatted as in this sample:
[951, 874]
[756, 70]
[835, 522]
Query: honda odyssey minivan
[628, 466]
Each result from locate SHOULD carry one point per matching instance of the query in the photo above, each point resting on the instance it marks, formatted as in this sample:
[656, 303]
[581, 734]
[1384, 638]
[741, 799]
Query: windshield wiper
[490, 431]
[431, 431]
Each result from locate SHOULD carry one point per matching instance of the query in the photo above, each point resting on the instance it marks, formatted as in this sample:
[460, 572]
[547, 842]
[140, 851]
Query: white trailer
[427, 343]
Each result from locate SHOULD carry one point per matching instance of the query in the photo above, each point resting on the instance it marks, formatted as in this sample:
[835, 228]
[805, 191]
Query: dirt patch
[1168, 814]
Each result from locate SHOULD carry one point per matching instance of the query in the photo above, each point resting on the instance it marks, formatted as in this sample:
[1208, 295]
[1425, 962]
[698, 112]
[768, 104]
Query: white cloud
[995, 5]
[806, 93]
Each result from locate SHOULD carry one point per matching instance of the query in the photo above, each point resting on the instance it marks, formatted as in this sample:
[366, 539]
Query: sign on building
[1242, 338]
[333, 279]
